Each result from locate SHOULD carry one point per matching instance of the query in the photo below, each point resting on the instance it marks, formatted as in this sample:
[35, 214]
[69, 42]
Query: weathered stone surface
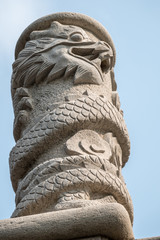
[100, 220]
[71, 138]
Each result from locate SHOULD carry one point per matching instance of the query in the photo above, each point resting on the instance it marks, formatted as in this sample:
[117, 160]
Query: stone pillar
[71, 138]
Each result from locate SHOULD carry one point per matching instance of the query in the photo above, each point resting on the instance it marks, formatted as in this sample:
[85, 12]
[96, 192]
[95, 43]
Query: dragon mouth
[99, 54]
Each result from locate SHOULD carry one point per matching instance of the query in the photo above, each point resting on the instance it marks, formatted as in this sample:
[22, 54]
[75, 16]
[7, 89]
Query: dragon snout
[99, 53]
[105, 56]
[102, 47]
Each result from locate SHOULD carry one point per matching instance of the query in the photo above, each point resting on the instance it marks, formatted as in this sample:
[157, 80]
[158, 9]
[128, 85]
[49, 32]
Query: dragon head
[62, 51]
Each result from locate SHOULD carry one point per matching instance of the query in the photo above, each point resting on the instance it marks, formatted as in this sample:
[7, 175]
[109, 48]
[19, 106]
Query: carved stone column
[71, 138]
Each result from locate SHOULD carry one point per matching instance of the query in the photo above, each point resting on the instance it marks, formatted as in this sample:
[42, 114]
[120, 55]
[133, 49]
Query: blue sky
[135, 29]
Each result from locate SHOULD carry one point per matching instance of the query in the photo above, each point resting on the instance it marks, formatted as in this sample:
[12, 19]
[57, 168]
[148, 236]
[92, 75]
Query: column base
[110, 221]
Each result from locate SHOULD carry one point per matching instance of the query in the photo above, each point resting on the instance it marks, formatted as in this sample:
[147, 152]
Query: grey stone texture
[86, 222]
[71, 138]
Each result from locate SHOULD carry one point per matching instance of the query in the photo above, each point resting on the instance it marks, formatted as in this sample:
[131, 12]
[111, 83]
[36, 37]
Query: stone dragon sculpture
[71, 138]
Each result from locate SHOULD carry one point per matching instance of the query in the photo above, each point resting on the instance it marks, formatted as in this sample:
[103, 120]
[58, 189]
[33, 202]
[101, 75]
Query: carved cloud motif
[88, 142]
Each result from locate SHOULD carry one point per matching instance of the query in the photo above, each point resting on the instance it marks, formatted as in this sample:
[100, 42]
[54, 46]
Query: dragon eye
[77, 37]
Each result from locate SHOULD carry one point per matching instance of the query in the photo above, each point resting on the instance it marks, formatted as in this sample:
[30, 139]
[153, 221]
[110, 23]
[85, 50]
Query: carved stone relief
[71, 138]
